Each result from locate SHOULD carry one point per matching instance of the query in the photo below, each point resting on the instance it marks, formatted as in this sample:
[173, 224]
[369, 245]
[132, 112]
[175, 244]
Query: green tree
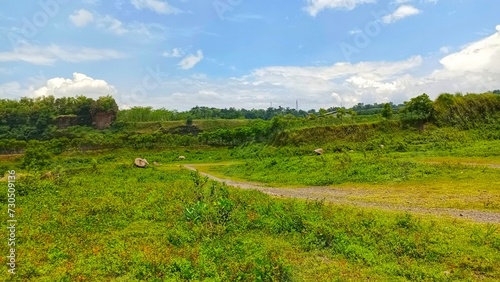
[341, 112]
[387, 112]
[352, 113]
[82, 106]
[322, 112]
[189, 121]
[105, 104]
[420, 107]
[36, 156]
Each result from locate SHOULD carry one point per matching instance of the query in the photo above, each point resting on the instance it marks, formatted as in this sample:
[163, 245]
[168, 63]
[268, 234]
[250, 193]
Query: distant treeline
[148, 114]
[374, 109]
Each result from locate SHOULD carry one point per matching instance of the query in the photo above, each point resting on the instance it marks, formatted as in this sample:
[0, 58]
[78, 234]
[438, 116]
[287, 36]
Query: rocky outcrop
[103, 120]
[65, 121]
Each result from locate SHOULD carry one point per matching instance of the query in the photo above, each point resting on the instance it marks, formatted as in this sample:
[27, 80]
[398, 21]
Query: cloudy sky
[178, 54]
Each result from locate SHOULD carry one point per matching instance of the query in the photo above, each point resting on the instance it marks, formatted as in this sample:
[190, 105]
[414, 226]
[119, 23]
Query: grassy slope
[119, 223]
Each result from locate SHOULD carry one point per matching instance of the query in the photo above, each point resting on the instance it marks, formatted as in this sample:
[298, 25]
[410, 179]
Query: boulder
[156, 164]
[141, 162]
[319, 151]
[181, 158]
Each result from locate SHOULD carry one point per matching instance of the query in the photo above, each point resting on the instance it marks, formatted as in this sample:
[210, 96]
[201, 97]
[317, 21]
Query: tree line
[148, 114]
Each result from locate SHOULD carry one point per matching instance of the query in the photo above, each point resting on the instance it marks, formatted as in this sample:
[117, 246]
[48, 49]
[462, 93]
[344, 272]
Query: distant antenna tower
[297, 105]
[271, 104]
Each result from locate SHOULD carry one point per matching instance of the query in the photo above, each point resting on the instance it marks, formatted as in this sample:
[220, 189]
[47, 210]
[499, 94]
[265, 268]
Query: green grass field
[106, 220]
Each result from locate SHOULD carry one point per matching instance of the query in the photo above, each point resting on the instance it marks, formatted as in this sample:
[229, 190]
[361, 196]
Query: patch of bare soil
[341, 196]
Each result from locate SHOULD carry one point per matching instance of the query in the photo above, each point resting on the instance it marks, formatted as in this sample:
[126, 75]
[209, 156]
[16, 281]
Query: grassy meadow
[113, 222]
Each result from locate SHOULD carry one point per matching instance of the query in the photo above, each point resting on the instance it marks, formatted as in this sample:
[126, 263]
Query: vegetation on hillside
[29, 119]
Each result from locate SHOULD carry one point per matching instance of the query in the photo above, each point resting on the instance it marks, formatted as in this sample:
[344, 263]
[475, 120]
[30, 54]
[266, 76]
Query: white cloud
[81, 18]
[191, 60]
[111, 24]
[480, 56]
[315, 6]
[338, 71]
[402, 1]
[444, 50]
[48, 55]
[80, 84]
[175, 53]
[354, 82]
[157, 6]
[401, 13]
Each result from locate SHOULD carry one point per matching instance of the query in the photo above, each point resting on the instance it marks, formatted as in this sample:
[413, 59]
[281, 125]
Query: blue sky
[178, 54]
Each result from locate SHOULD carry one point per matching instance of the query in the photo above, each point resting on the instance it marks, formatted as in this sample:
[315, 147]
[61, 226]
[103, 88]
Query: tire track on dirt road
[340, 196]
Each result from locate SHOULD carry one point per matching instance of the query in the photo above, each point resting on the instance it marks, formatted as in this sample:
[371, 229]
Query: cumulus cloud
[401, 13]
[315, 6]
[157, 6]
[482, 55]
[48, 55]
[81, 18]
[191, 60]
[352, 81]
[79, 84]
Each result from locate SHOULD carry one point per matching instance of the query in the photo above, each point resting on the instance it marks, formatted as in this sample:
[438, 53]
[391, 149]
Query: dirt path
[340, 196]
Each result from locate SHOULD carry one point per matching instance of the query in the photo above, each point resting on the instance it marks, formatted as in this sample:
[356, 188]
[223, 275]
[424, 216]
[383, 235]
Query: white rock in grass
[141, 162]
[319, 151]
